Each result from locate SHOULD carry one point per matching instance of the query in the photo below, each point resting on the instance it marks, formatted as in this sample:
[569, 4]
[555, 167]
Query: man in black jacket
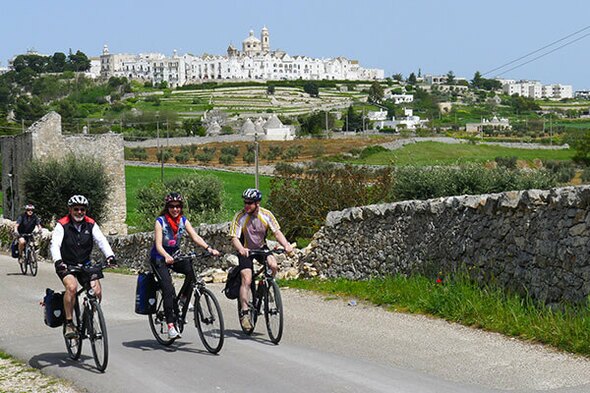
[26, 224]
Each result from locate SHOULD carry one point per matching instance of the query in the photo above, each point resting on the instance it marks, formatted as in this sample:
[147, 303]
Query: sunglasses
[79, 209]
[29, 210]
[249, 202]
[175, 207]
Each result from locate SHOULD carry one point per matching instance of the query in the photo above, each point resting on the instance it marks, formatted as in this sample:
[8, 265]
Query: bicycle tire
[33, 266]
[251, 308]
[273, 312]
[209, 320]
[157, 321]
[74, 345]
[97, 333]
[23, 265]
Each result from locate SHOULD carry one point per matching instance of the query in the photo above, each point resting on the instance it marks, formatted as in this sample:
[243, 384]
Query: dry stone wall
[534, 242]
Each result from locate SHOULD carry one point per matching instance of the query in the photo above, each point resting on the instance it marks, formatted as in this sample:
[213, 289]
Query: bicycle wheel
[74, 345]
[33, 261]
[251, 308]
[209, 320]
[157, 321]
[273, 312]
[23, 265]
[97, 333]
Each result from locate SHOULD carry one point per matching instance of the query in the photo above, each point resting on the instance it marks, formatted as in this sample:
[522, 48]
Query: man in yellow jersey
[248, 232]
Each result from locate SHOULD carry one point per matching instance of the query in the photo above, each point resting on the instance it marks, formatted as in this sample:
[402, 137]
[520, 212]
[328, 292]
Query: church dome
[251, 38]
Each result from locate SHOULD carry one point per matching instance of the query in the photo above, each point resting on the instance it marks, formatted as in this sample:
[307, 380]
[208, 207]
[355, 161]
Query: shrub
[164, 155]
[292, 152]
[506, 162]
[249, 157]
[564, 171]
[273, 152]
[370, 150]
[301, 197]
[204, 157]
[432, 182]
[49, 184]
[230, 150]
[203, 196]
[226, 159]
[182, 157]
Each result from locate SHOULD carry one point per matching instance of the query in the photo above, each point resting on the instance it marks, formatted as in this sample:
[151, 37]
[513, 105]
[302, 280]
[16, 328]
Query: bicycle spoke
[98, 336]
[157, 321]
[273, 312]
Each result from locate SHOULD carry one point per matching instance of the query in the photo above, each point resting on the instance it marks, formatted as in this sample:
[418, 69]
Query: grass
[462, 301]
[233, 185]
[436, 153]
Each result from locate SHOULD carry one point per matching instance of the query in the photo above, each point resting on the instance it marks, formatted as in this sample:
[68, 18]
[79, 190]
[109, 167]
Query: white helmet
[78, 200]
[252, 194]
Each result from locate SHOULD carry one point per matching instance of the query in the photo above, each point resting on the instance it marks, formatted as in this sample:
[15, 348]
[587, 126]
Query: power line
[538, 50]
[544, 54]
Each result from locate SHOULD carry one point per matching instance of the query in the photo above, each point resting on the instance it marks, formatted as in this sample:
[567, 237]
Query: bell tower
[265, 38]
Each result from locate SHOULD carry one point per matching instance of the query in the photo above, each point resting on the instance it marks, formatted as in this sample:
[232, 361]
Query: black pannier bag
[233, 283]
[14, 248]
[54, 308]
[145, 294]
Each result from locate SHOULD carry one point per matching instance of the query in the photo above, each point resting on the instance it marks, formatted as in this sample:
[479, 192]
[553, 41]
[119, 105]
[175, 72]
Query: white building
[536, 90]
[256, 61]
[400, 98]
[409, 121]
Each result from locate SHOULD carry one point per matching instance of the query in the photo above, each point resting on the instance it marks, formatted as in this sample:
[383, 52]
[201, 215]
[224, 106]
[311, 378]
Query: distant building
[536, 90]
[409, 121]
[582, 94]
[493, 124]
[440, 79]
[256, 61]
[399, 98]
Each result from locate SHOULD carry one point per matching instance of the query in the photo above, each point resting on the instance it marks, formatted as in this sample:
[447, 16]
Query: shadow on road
[62, 360]
[240, 335]
[152, 345]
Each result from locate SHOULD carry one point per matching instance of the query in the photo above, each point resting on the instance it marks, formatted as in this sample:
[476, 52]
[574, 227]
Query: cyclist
[170, 227]
[248, 231]
[71, 244]
[26, 223]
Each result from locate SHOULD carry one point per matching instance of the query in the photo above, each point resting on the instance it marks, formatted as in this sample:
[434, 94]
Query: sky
[427, 36]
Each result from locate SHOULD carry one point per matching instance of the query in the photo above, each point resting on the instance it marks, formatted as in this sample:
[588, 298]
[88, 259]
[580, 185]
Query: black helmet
[174, 197]
[252, 194]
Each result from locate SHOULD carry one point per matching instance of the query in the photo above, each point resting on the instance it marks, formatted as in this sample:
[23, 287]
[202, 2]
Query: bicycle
[29, 255]
[267, 292]
[90, 324]
[207, 317]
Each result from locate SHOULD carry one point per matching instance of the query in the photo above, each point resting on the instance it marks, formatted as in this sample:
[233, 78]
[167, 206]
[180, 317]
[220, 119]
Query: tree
[193, 127]
[57, 62]
[398, 77]
[450, 78]
[353, 121]
[49, 184]
[270, 89]
[312, 89]
[376, 92]
[78, 62]
[29, 109]
[477, 80]
[412, 79]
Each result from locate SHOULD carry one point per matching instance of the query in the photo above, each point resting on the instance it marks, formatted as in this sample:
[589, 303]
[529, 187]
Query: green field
[436, 153]
[233, 185]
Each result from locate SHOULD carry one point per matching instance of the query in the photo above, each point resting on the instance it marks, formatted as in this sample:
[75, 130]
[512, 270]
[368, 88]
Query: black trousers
[162, 272]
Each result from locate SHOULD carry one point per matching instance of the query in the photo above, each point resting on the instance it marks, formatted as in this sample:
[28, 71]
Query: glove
[111, 261]
[60, 266]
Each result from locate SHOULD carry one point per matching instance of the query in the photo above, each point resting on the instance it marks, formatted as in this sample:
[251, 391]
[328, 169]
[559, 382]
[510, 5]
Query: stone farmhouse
[256, 61]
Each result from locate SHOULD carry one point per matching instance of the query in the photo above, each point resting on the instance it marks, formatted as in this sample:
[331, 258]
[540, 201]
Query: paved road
[328, 346]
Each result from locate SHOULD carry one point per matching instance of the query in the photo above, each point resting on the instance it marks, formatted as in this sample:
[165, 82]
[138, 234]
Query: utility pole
[159, 151]
[256, 161]
[22, 122]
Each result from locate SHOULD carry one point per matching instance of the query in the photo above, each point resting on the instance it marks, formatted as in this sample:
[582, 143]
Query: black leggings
[162, 271]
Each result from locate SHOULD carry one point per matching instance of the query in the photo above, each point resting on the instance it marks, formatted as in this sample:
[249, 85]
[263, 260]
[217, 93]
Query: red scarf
[173, 223]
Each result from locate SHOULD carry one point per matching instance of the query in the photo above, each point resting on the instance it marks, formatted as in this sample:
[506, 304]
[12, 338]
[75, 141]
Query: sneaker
[70, 331]
[191, 307]
[173, 333]
[245, 321]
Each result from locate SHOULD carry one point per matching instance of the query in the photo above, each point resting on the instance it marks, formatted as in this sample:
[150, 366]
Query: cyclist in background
[169, 231]
[26, 224]
[71, 244]
[248, 230]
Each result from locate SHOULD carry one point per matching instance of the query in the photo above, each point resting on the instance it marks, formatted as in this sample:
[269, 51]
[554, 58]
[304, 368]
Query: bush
[203, 195]
[370, 150]
[230, 150]
[301, 197]
[182, 157]
[204, 157]
[273, 152]
[226, 159]
[506, 162]
[564, 171]
[164, 155]
[49, 184]
[432, 182]
[249, 157]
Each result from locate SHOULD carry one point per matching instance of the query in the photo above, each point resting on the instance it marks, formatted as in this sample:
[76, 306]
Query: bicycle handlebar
[264, 252]
[178, 257]
[89, 269]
